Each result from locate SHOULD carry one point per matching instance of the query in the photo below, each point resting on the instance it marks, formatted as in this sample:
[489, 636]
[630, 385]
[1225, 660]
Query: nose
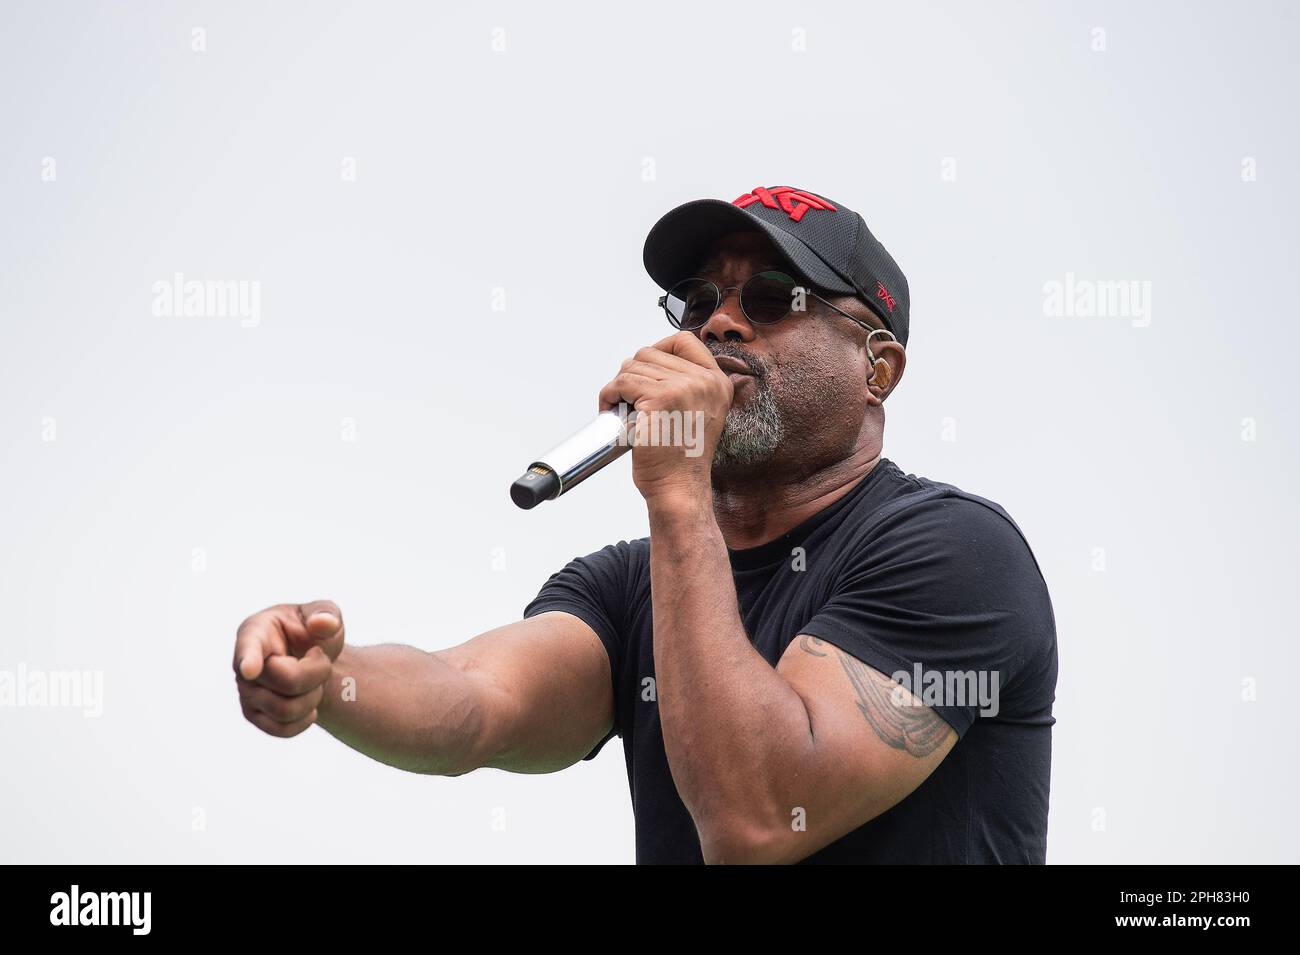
[728, 322]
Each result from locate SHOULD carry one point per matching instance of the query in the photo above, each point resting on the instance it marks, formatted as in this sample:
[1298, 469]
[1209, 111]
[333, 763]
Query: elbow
[735, 838]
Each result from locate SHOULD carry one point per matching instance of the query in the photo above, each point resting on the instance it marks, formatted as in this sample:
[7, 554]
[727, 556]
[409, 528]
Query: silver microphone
[574, 460]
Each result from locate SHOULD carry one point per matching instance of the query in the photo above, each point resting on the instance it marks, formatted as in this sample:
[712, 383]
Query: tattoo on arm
[809, 644]
[895, 716]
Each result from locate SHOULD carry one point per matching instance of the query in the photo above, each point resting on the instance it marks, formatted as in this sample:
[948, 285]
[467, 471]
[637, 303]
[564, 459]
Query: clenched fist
[282, 662]
[680, 392]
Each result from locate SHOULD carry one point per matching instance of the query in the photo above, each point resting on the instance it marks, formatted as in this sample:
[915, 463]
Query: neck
[756, 508]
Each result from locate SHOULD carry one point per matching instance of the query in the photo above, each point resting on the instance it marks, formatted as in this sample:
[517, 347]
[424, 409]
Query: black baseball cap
[827, 244]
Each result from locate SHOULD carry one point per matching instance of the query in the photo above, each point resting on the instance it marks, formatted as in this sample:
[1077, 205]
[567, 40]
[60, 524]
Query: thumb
[323, 619]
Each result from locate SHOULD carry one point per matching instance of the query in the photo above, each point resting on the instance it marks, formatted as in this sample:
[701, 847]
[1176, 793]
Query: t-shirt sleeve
[947, 585]
[594, 589]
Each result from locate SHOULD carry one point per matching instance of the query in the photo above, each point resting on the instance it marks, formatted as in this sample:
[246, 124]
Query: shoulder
[617, 563]
[923, 519]
[602, 588]
[936, 551]
[936, 570]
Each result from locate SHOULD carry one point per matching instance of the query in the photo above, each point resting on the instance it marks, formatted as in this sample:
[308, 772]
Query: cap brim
[677, 243]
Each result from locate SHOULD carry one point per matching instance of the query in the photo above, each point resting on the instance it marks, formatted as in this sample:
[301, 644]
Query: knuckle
[272, 676]
[284, 685]
[278, 708]
[311, 683]
[266, 682]
[257, 718]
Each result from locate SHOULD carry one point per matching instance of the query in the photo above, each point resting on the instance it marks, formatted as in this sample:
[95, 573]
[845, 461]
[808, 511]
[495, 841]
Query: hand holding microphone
[665, 383]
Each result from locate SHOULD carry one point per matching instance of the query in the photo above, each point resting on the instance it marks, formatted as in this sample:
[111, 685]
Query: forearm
[533, 696]
[734, 729]
[407, 708]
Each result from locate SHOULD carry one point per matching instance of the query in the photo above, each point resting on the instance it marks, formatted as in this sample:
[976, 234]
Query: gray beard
[752, 433]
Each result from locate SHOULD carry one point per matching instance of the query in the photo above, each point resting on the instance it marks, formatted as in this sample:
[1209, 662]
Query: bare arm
[821, 740]
[533, 696]
[773, 763]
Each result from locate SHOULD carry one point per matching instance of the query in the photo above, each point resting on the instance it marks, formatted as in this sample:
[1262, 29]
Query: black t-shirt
[901, 572]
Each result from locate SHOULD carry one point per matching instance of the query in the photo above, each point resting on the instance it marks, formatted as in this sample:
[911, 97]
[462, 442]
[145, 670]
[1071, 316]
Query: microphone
[605, 439]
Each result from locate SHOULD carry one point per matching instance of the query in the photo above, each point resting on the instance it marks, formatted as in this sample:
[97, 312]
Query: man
[813, 657]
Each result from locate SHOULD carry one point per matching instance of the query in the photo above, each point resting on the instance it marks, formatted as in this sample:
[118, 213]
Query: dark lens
[690, 303]
[768, 297]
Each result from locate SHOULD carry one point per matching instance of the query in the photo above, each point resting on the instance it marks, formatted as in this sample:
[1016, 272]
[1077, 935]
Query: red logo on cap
[794, 202]
[883, 293]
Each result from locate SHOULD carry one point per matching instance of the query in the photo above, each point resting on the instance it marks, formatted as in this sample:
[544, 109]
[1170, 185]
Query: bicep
[873, 743]
[545, 683]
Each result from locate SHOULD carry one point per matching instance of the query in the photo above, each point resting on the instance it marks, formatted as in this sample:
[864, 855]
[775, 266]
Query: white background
[538, 170]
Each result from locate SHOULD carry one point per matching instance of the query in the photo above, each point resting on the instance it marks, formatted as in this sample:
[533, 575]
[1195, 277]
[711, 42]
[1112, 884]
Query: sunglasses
[765, 298]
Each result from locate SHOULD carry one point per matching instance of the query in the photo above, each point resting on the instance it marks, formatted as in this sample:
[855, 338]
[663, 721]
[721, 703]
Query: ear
[890, 361]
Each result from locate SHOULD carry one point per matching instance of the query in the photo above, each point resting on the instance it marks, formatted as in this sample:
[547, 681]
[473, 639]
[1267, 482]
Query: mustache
[757, 366]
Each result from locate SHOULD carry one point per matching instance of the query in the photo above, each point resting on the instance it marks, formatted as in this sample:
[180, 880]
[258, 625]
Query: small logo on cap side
[882, 293]
[793, 201]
